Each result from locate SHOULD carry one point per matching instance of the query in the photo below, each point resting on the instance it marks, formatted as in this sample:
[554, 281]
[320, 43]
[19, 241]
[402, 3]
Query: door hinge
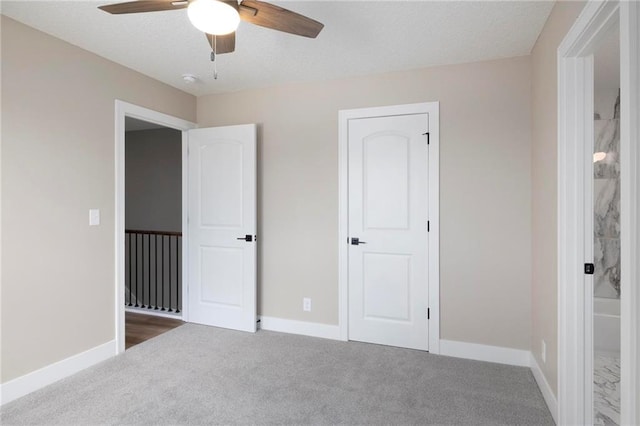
[428, 313]
[428, 137]
[589, 268]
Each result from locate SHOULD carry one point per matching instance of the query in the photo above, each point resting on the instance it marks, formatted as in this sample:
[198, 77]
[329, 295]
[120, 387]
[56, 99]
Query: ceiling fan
[218, 19]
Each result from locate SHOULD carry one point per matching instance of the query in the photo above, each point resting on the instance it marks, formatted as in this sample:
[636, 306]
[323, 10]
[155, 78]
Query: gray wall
[153, 180]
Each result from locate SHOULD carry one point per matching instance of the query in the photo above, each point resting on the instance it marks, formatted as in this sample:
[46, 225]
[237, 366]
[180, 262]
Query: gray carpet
[204, 375]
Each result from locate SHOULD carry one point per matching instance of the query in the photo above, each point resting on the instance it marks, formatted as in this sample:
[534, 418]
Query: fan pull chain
[214, 43]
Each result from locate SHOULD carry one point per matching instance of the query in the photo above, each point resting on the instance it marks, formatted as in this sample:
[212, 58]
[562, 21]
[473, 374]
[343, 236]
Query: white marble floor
[606, 396]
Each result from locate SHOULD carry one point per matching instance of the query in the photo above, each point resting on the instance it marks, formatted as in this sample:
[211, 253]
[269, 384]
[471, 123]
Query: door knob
[356, 242]
[248, 238]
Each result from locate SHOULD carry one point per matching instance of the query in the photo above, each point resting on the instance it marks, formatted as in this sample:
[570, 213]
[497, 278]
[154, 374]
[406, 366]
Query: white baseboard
[153, 312]
[488, 353]
[547, 393]
[38, 379]
[304, 328]
[502, 355]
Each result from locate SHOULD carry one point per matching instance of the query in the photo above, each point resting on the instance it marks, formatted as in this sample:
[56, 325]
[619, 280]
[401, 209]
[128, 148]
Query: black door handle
[589, 268]
[248, 238]
[356, 242]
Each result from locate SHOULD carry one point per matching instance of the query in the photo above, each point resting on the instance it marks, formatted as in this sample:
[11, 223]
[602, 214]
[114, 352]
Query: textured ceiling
[359, 38]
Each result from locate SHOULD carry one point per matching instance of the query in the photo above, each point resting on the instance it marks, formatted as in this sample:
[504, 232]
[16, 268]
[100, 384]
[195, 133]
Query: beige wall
[544, 177]
[153, 175]
[485, 201]
[57, 162]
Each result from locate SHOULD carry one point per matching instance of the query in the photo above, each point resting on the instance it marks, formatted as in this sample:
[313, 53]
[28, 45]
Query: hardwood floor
[141, 327]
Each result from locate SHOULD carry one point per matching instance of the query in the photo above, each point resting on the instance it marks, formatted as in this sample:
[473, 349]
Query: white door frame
[575, 125]
[124, 109]
[433, 111]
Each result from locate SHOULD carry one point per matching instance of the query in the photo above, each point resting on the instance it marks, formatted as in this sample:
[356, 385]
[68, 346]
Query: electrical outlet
[544, 351]
[306, 304]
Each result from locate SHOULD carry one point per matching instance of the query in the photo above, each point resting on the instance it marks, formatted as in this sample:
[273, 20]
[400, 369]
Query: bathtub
[606, 325]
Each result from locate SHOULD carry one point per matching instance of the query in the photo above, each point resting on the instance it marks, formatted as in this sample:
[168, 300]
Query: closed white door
[388, 214]
[222, 227]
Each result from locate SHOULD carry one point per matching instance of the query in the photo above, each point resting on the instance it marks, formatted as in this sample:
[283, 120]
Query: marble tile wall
[607, 207]
[606, 394]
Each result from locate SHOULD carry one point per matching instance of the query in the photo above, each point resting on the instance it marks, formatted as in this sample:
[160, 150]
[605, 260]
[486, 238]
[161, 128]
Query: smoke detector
[189, 78]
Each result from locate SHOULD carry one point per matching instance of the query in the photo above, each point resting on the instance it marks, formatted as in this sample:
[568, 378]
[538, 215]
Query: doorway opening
[150, 223]
[606, 231]
[153, 230]
[585, 269]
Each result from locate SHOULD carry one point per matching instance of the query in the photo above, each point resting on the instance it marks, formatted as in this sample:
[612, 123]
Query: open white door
[222, 227]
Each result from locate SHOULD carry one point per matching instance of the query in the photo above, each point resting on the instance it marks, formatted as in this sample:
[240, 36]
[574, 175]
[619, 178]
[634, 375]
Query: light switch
[94, 217]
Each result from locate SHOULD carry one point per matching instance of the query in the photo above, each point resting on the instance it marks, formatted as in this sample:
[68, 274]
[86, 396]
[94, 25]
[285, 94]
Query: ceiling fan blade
[274, 17]
[222, 44]
[144, 6]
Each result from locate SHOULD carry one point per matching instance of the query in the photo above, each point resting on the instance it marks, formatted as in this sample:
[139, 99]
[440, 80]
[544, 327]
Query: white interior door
[388, 214]
[222, 227]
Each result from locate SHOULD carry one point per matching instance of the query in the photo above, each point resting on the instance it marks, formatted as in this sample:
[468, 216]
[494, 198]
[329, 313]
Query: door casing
[122, 110]
[433, 110]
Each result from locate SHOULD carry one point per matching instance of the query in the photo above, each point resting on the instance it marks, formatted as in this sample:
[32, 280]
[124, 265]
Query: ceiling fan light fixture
[213, 16]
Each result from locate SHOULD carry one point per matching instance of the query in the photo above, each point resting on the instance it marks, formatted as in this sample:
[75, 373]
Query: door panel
[388, 205]
[222, 210]
[387, 286]
[221, 276]
[221, 186]
[386, 178]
